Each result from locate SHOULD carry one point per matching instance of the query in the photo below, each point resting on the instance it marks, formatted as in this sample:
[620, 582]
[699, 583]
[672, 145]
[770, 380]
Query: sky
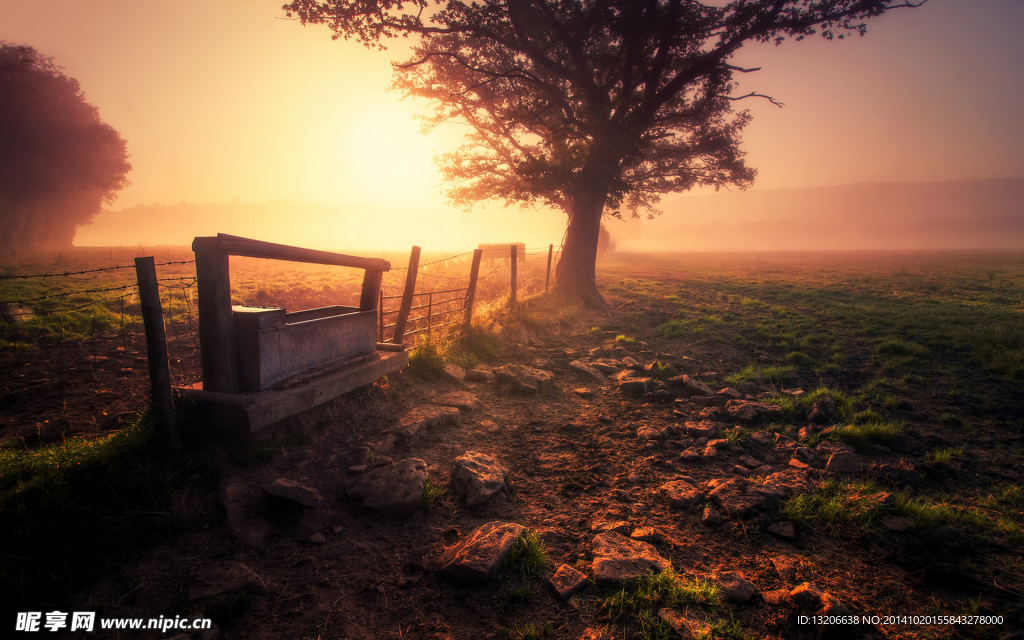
[229, 102]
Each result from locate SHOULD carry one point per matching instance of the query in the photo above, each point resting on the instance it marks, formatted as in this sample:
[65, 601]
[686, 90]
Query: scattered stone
[689, 455]
[587, 370]
[806, 596]
[776, 597]
[735, 588]
[806, 433]
[809, 457]
[711, 517]
[295, 491]
[796, 463]
[525, 378]
[875, 449]
[817, 416]
[795, 392]
[583, 392]
[317, 538]
[844, 462]
[633, 386]
[828, 447]
[740, 497]
[786, 567]
[740, 470]
[477, 476]
[233, 577]
[617, 558]
[567, 581]
[618, 526]
[455, 372]
[832, 607]
[729, 392]
[750, 462]
[684, 625]
[719, 443]
[648, 432]
[479, 556]
[645, 534]
[749, 388]
[480, 375]
[462, 400]
[686, 384]
[681, 494]
[703, 429]
[785, 530]
[422, 418]
[395, 489]
[762, 438]
[748, 410]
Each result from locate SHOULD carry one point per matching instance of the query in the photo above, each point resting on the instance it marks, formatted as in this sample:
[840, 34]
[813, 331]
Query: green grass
[947, 455]
[431, 492]
[639, 601]
[796, 408]
[776, 375]
[623, 339]
[528, 557]
[426, 360]
[868, 432]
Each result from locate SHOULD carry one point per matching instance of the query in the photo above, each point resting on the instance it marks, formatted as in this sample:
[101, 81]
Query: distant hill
[935, 215]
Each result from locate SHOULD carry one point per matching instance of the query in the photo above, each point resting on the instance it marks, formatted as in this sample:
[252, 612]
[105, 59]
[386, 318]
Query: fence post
[474, 273]
[371, 288]
[216, 325]
[380, 315]
[156, 351]
[515, 276]
[430, 311]
[407, 293]
[547, 276]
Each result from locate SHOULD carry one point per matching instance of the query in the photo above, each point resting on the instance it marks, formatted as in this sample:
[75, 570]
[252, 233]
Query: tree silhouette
[58, 161]
[591, 106]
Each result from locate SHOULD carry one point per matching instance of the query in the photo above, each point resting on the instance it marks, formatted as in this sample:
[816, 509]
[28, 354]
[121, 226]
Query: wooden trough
[262, 365]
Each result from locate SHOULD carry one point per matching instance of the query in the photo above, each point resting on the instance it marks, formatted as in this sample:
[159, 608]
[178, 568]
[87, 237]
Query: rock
[617, 558]
[806, 596]
[729, 392]
[844, 462]
[395, 489]
[233, 577]
[875, 449]
[583, 392]
[776, 597]
[762, 438]
[711, 517]
[317, 538]
[688, 385]
[618, 526]
[689, 455]
[652, 433]
[750, 462]
[806, 433]
[479, 556]
[681, 494]
[455, 372]
[462, 400]
[748, 388]
[785, 530]
[477, 476]
[633, 387]
[740, 497]
[295, 491]
[523, 378]
[703, 429]
[718, 443]
[735, 588]
[422, 418]
[480, 375]
[795, 392]
[786, 567]
[809, 457]
[587, 370]
[490, 426]
[828, 447]
[684, 625]
[645, 534]
[832, 607]
[817, 416]
[748, 410]
[796, 463]
[567, 581]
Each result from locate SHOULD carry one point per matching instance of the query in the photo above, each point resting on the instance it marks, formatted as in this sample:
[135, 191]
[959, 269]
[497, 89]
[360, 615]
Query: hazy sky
[226, 99]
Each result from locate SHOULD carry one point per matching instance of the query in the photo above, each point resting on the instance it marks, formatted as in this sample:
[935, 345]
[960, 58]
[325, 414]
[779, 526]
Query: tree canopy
[591, 106]
[59, 162]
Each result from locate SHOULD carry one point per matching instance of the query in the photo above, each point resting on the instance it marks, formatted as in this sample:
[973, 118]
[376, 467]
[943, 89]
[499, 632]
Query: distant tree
[58, 161]
[591, 106]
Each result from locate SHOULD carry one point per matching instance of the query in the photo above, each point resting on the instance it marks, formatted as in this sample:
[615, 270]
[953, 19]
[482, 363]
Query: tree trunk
[575, 273]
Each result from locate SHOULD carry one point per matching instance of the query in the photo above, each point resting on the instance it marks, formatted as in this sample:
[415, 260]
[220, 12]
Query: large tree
[59, 162]
[590, 106]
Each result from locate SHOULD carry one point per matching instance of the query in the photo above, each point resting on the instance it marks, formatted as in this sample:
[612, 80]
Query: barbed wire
[68, 309]
[67, 274]
[69, 293]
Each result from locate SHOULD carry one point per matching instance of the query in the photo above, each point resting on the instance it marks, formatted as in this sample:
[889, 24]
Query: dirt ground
[576, 464]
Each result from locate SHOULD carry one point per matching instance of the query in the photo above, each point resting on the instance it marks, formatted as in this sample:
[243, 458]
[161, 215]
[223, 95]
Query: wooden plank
[407, 294]
[237, 246]
[156, 351]
[474, 273]
[371, 290]
[216, 325]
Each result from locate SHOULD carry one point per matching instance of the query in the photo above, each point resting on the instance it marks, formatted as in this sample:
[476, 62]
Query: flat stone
[806, 596]
[808, 456]
[587, 370]
[688, 385]
[750, 462]
[567, 581]
[711, 517]
[844, 462]
[478, 557]
[462, 400]
[422, 418]
[689, 455]
[317, 538]
[740, 497]
[828, 447]
[762, 438]
[704, 429]
[735, 588]
[605, 366]
[806, 433]
[776, 597]
[480, 375]
[645, 534]
[633, 386]
[295, 491]
[683, 624]
[618, 558]
[455, 372]
[618, 526]
[680, 494]
[648, 432]
[583, 392]
[785, 530]
[896, 523]
[232, 577]
[523, 378]
[748, 410]
[729, 392]
[477, 476]
[395, 489]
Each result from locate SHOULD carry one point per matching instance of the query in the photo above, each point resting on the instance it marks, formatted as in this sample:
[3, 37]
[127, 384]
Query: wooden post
[216, 325]
[156, 351]
[407, 293]
[371, 289]
[430, 310]
[547, 276]
[474, 273]
[515, 277]
[380, 316]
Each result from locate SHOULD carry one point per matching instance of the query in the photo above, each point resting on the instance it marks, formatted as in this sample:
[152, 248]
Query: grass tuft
[431, 492]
